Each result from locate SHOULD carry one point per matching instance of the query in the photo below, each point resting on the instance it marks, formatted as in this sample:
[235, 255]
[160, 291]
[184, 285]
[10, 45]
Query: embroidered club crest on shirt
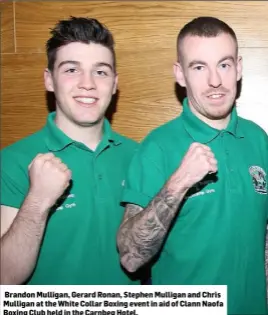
[259, 179]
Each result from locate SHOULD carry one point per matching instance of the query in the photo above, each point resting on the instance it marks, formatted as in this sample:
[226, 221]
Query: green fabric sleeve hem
[10, 204]
[137, 198]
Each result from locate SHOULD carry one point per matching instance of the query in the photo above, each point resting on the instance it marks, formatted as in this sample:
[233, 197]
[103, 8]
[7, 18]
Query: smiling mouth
[86, 101]
[216, 96]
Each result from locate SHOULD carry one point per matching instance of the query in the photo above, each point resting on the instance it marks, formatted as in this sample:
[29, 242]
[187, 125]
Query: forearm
[141, 236]
[21, 243]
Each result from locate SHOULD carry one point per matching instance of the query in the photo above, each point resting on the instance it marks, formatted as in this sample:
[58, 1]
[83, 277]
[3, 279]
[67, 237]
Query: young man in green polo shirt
[61, 187]
[196, 191]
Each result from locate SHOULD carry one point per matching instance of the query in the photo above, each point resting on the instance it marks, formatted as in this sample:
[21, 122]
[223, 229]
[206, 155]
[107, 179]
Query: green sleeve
[14, 180]
[145, 176]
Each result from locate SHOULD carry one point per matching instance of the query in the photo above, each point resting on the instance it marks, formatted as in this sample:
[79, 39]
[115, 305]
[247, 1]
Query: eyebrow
[68, 62]
[104, 64]
[77, 63]
[200, 62]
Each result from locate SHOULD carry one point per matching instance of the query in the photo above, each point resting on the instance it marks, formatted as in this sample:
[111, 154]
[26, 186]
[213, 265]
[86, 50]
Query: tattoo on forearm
[143, 231]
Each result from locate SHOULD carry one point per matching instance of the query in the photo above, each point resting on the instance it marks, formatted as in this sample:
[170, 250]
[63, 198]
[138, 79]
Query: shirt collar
[202, 132]
[109, 136]
[57, 140]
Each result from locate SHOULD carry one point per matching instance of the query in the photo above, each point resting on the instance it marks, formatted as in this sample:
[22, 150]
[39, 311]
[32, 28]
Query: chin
[88, 122]
[219, 116]
[221, 113]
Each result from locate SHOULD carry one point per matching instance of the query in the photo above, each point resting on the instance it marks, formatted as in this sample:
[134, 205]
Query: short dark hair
[78, 29]
[204, 26]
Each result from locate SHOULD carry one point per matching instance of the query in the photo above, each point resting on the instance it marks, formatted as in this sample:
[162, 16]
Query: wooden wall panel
[145, 34]
[23, 96]
[7, 27]
[151, 103]
[154, 22]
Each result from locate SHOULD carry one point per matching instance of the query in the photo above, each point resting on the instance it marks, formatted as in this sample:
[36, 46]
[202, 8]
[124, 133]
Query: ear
[239, 68]
[115, 84]
[48, 80]
[178, 73]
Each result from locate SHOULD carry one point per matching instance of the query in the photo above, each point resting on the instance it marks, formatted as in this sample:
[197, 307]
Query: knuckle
[213, 160]
[194, 145]
[38, 162]
[56, 159]
[199, 149]
[38, 157]
[47, 163]
[48, 155]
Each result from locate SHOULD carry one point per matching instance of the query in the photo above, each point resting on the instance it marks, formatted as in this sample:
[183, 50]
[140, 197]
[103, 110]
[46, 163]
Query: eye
[71, 70]
[101, 73]
[199, 68]
[225, 65]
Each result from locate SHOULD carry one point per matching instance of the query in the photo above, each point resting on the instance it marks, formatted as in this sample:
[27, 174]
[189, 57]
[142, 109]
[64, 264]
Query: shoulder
[123, 149]
[15, 160]
[24, 150]
[155, 147]
[253, 130]
[164, 135]
[256, 138]
[124, 143]
[126, 140]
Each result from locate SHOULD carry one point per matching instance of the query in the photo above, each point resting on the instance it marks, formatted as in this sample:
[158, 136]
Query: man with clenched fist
[61, 186]
[196, 191]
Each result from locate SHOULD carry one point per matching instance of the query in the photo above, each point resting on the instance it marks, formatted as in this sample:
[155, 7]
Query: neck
[215, 123]
[89, 136]
[219, 124]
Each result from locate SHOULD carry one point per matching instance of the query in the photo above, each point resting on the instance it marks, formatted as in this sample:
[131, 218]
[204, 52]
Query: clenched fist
[196, 164]
[49, 178]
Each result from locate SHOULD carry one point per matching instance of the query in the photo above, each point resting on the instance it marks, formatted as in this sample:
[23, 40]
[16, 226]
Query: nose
[87, 82]
[214, 79]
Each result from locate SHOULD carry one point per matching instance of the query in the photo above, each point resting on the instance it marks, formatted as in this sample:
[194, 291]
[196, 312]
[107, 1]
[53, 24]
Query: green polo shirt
[218, 236]
[79, 245]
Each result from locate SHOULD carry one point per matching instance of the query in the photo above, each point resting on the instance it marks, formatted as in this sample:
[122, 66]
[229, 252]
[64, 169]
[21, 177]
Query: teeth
[86, 100]
[215, 96]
